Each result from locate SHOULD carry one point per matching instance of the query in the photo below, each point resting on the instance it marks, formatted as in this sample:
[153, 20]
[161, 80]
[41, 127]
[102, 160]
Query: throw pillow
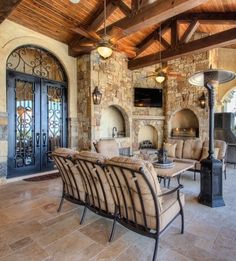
[170, 149]
[205, 153]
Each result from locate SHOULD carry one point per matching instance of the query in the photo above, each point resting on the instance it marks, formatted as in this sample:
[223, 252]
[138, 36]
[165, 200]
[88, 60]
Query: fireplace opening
[184, 123]
[148, 137]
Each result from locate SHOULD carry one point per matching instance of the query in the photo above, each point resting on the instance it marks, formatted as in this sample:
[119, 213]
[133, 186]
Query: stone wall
[116, 83]
[3, 146]
[181, 95]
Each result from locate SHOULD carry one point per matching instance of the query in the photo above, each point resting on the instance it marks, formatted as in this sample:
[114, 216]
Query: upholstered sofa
[122, 188]
[194, 150]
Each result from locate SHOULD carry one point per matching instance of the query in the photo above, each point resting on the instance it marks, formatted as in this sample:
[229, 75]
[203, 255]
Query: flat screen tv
[146, 97]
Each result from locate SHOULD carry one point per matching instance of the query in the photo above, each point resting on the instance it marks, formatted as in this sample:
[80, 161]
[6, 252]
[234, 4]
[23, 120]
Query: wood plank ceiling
[79, 25]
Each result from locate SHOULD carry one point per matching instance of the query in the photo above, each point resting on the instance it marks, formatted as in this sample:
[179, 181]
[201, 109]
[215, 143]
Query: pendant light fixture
[104, 47]
[160, 77]
[74, 1]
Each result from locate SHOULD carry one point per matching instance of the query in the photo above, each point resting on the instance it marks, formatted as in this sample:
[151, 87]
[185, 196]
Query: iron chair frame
[61, 160]
[88, 188]
[134, 226]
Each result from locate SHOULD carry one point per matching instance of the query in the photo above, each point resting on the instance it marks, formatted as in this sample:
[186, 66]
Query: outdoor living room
[117, 130]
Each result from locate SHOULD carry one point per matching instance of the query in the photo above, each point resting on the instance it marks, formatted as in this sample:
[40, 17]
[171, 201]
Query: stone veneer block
[3, 132]
[4, 148]
[3, 169]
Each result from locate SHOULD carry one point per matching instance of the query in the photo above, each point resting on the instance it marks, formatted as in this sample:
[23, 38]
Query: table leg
[168, 183]
[164, 182]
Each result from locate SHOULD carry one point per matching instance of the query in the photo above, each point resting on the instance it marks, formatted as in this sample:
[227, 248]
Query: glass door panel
[24, 130]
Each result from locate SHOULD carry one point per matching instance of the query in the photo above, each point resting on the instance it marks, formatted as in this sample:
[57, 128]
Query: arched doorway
[37, 109]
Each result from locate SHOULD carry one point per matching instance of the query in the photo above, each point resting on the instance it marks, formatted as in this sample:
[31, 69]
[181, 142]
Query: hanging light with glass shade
[104, 46]
[74, 1]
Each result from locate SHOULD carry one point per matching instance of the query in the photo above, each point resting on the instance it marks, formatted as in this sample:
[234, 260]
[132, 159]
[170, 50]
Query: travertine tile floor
[31, 229]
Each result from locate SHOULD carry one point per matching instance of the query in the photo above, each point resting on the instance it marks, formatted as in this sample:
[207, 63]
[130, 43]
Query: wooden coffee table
[176, 171]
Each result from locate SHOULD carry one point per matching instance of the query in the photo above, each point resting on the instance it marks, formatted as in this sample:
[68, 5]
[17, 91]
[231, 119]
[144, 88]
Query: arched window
[37, 62]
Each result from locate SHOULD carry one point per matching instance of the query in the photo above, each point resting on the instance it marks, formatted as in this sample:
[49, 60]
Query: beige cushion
[91, 156]
[108, 148]
[192, 149]
[170, 208]
[179, 147]
[64, 152]
[127, 182]
[170, 149]
[96, 181]
[218, 144]
[205, 153]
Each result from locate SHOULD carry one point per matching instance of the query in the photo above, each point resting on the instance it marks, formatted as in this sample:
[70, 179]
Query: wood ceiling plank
[6, 7]
[214, 41]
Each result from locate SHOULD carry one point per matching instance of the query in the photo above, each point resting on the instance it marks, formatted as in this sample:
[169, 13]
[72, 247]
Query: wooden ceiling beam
[189, 32]
[87, 34]
[212, 17]
[141, 47]
[123, 7]
[6, 7]
[98, 21]
[155, 13]
[151, 38]
[163, 42]
[214, 41]
[174, 33]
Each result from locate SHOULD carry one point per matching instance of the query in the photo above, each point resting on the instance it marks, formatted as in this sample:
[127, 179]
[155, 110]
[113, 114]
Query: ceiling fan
[105, 44]
[161, 73]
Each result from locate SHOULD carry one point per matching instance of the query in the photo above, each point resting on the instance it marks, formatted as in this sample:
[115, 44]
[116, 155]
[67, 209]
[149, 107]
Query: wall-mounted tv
[147, 97]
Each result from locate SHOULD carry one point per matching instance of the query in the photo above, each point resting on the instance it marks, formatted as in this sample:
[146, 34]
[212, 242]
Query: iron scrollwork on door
[24, 102]
[36, 61]
[55, 117]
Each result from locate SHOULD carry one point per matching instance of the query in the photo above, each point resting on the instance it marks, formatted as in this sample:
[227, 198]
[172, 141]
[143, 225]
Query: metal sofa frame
[115, 176]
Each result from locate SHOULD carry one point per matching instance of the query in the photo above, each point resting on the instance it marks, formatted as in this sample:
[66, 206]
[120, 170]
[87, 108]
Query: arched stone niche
[114, 121]
[184, 123]
[148, 132]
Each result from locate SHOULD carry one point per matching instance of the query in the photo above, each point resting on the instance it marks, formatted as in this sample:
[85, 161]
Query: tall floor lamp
[211, 191]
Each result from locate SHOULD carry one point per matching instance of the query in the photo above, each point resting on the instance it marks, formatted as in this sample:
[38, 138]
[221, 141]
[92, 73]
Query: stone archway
[184, 123]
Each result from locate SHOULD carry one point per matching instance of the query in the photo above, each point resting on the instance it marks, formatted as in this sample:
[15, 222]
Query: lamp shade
[104, 47]
[75, 1]
[160, 78]
[104, 51]
[211, 76]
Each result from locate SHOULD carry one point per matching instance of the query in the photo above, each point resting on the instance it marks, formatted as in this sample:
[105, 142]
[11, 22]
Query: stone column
[3, 146]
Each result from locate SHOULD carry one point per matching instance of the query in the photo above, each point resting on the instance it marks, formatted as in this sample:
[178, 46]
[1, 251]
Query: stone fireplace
[180, 111]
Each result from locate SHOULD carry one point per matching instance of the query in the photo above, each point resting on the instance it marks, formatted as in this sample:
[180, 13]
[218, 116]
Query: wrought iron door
[37, 122]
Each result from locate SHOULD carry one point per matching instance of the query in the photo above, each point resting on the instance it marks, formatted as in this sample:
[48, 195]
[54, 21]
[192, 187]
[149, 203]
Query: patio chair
[141, 204]
[99, 196]
[73, 184]
[107, 147]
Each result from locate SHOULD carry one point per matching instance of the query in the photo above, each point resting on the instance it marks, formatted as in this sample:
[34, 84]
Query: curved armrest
[171, 191]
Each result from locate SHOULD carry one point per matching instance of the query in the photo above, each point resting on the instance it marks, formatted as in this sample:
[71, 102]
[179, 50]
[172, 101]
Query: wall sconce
[202, 101]
[97, 96]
